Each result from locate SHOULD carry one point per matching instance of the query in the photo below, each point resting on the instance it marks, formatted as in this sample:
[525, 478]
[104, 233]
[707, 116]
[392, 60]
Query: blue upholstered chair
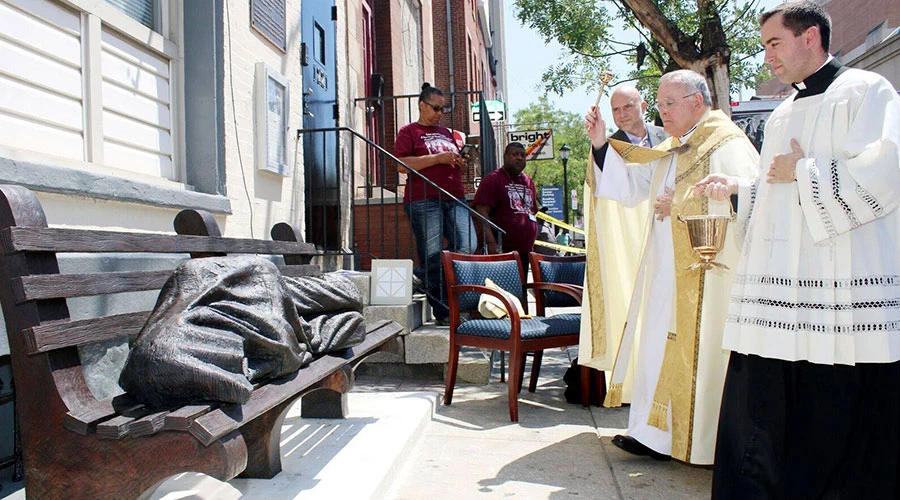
[568, 271]
[465, 275]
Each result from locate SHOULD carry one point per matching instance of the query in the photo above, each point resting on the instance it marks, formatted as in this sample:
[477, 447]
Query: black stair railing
[378, 226]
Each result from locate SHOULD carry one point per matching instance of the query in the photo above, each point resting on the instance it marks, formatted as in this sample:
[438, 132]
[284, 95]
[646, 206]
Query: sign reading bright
[538, 143]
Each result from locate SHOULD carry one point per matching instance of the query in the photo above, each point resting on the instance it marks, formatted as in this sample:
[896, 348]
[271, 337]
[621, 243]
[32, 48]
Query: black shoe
[635, 447]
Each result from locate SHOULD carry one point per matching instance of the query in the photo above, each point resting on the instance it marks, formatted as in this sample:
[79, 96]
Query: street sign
[496, 110]
[538, 143]
[574, 199]
[551, 197]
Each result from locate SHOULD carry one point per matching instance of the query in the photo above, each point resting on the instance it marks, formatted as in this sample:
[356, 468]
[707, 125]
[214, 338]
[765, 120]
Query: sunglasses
[438, 108]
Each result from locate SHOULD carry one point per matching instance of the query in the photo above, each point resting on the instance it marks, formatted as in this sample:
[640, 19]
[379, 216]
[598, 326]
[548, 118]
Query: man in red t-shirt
[507, 197]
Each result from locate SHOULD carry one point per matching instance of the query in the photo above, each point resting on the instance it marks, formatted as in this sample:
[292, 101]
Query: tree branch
[617, 53]
[679, 46]
[654, 56]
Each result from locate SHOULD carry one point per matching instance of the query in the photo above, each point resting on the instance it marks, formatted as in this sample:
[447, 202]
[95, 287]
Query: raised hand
[595, 127]
[784, 166]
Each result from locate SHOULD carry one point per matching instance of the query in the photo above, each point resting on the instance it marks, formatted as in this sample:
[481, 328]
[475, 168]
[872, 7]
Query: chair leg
[502, 366]
[515, 370]
[599, 386]
[452, 364]
[535, 370]
[586, 386]
[522, 360]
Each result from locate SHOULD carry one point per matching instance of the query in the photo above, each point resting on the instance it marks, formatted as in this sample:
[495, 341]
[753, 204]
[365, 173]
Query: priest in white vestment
[605, 308]
[811, 407]
[676, 311]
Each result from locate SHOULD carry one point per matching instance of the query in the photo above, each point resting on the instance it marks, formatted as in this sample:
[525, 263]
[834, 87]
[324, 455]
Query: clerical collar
[819, 81]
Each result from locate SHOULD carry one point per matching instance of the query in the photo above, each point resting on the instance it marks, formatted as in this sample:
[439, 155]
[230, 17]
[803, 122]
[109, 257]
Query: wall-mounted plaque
[272, 120]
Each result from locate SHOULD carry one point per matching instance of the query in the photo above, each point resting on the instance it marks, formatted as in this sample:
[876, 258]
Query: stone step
[474, 368]
[356, 457]
[407, 315]
[427, 344]
[431, 344]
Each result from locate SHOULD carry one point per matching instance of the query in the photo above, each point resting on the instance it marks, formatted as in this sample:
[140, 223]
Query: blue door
[320, 149]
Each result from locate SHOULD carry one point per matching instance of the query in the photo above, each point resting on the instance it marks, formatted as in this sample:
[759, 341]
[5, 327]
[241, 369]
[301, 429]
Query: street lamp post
[564, 156]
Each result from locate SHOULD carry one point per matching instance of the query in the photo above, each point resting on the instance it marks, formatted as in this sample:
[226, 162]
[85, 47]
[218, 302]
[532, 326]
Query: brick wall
[853, 19]
[382, 231]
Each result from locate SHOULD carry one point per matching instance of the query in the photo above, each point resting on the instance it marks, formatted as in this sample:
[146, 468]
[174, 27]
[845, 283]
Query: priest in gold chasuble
[671, 336]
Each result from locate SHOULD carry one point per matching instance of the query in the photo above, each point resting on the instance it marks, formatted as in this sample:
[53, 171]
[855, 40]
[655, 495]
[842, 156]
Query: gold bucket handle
[689, 193]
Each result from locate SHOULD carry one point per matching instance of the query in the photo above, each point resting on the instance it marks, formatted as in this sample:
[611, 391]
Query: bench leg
[263, 438]
[263, 434]
[324, 404]
[329, 399]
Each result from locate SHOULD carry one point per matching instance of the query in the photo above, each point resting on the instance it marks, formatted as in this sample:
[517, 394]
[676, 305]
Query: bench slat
[219, 422]
[120, 426]
[88, 417]
[180, 419]
[147, 425]
[83, 421]
[114, 428]
[300, 270]
[52, 286]
[52, 336]
[17, 239]
[58, 335]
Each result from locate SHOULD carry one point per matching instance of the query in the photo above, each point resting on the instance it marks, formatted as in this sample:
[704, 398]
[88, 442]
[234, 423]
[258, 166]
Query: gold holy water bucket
[707, 236]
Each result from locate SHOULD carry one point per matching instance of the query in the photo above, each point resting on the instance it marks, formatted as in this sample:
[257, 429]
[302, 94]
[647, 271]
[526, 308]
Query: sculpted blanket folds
[222, 324]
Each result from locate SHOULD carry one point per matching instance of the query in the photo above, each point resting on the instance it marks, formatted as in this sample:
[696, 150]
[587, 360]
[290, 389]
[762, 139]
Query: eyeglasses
[437, 107]
[668, 103]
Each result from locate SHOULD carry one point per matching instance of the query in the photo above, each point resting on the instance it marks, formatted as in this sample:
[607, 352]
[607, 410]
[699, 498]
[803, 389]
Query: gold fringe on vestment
[613, 396]
[658, 418]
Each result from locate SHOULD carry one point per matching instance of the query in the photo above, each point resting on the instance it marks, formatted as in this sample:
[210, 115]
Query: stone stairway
[425, 348]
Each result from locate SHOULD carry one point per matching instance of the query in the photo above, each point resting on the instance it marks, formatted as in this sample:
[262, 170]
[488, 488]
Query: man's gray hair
[693, 82]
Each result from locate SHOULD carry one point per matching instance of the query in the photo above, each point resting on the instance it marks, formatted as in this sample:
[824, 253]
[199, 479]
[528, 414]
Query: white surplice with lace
[819, 274]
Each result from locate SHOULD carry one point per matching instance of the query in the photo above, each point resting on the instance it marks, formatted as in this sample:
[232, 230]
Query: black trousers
[799, 430]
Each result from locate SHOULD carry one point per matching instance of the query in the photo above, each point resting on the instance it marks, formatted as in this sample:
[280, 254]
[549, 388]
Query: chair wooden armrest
[573, 290]
[455, 290]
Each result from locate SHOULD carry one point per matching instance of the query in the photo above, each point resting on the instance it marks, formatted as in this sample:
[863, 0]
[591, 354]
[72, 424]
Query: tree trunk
[719, 77]
[711, 63]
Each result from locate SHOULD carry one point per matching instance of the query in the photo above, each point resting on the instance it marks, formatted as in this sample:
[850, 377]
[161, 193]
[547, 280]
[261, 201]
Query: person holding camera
[430, 149]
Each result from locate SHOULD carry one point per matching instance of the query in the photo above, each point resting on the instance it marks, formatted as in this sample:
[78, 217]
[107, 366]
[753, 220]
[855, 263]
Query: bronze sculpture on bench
[76, 446]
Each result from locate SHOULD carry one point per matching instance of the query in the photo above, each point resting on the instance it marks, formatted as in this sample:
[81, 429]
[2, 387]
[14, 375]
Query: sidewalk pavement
[400, 443]
[557, 450]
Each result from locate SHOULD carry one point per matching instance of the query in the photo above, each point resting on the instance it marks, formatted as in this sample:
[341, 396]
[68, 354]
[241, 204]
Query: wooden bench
[76, 446]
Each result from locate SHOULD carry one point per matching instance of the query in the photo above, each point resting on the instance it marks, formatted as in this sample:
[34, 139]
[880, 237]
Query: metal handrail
[409, 169]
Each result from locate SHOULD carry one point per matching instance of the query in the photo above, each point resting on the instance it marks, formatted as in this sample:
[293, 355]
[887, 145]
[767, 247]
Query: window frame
[97, 15]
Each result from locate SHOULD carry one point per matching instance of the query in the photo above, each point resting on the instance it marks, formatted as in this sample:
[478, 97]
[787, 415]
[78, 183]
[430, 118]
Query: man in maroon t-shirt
[507, 197]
